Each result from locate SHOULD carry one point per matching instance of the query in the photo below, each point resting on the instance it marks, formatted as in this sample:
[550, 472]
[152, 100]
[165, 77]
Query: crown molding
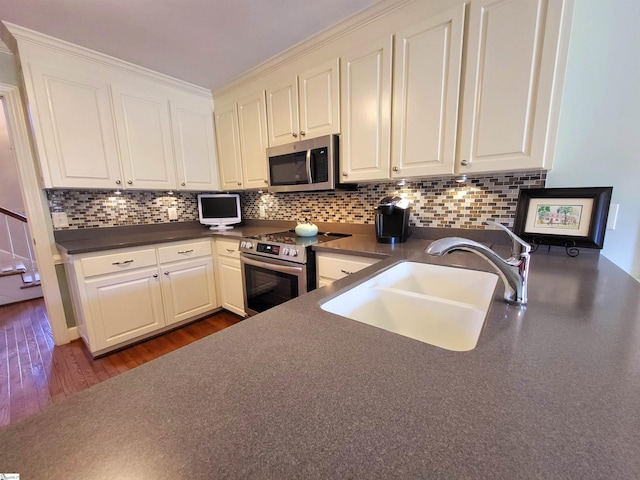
[355, 22]
[26, 36]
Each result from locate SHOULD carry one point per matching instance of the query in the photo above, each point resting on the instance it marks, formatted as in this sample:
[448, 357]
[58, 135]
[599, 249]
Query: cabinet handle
[155, 275]
[266, 181]
[125, 262]
[395, 169]
[302, 133]
[184, 252]
[229, 250]
[464, 163]
[239, 183]
[295, 135]
[166, 273]
[345, 174]
[129, 182]
[345, 272]
[118, 182]
[183, 184]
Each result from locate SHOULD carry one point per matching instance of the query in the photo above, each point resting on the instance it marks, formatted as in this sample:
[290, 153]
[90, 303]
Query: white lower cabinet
[230, 275]
[125, 295]
[334, 266]
[188, 286]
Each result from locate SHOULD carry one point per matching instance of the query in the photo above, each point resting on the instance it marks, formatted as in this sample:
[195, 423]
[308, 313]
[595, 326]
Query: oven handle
[272, 266]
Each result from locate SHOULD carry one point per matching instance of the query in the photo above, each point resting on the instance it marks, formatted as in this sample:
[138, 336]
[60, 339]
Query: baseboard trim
[73, 333]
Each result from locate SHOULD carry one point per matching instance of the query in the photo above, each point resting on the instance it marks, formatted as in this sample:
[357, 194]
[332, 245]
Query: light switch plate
[613, 216]
[60, 219]
[173, 213]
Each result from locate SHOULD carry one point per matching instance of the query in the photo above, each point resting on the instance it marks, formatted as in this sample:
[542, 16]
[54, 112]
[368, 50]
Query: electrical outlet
[613, 216]
[173, 213]
[262, 211]
[60, 219]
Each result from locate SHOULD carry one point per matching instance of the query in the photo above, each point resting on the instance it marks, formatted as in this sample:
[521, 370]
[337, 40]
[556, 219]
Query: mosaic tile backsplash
[435, 202]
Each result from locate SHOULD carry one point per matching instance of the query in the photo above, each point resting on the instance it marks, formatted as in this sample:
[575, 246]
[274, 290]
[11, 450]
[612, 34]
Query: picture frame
[570, 217]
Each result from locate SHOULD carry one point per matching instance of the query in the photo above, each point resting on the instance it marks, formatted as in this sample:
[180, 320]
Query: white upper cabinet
[144, 133]
[306, 106]
[228, 143]
[513, 83]
[241, 133]
[252, 126]
[102, 123]
[366, 112]
[73, 126]
[194, 144]
[427, 63]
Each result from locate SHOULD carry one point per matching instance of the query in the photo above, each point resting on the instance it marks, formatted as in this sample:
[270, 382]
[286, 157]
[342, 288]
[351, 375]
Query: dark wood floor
[34, 373]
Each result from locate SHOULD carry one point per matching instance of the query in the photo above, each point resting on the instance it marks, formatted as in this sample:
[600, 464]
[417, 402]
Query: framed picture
[571, 217]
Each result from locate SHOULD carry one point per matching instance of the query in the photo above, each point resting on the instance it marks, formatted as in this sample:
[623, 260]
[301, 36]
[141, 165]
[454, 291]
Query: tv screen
[219, 210]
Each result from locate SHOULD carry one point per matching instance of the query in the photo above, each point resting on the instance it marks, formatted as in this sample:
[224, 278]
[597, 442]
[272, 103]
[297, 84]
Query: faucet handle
[519, 247]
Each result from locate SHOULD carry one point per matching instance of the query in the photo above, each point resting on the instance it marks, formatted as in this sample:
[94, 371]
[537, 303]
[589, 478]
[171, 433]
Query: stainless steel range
[277, 267]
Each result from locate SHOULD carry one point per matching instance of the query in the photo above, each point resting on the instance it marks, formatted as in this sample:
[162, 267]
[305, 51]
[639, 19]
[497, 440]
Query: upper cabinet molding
[26, 36]
[380, 9]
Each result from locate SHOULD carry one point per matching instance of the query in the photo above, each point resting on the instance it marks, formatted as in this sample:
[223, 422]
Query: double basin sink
[439, 305]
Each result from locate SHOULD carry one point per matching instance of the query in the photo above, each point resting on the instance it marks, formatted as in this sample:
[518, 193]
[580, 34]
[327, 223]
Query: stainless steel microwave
[303, 166]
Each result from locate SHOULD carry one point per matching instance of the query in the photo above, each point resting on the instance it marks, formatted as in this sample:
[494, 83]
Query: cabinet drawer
[228, 248]
[118, 262]
[184, 251]
[335, 266]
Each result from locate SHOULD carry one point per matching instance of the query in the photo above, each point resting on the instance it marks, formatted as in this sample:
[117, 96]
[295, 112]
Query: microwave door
[289, 169]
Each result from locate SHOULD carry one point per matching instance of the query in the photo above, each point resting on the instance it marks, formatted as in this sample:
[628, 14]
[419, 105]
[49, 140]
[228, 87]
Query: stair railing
[23, 239]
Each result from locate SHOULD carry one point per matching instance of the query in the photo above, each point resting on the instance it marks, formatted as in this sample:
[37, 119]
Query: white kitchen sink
[442, 306]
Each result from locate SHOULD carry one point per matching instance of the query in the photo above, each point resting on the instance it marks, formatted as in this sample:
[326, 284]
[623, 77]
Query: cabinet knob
[266, 181]
[395, 169]
[302, 133]
[166, 273]
[183, 184]
[129, 182]
[345, 174]
[464, 162]
[295, 135]
[239, 184]
[155, 275]
[118, 182]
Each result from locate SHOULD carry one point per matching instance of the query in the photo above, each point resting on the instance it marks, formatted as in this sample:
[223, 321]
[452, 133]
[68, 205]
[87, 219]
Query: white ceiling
[205, 42]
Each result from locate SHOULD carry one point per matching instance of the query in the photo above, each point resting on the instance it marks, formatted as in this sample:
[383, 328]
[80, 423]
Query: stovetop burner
[289, 237]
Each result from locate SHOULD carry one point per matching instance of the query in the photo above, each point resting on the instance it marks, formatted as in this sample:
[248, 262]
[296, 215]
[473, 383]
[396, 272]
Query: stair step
[12, 269]
[31, 284]
[30, 277]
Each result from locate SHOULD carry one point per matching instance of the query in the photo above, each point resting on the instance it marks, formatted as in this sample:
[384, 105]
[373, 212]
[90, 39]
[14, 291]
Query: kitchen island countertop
[550, 391]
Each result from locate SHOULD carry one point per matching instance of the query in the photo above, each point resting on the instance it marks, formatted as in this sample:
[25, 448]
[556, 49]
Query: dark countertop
[551, 391]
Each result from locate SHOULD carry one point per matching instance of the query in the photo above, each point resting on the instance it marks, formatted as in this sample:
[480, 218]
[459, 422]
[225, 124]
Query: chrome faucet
[513, 270]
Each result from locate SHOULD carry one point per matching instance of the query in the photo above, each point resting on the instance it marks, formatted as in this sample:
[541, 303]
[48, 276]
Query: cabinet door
[144, 133]
[124, 306]
[194, 144]
[427, 60]
[231, 286]
[228, 142]
[188, 288]
[282, 112]
[73, 127]
[513, 84]
[366, 113]
[319, 91]
[252, 124]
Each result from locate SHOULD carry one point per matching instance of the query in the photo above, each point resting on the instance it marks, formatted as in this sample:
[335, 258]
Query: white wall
[599, 132]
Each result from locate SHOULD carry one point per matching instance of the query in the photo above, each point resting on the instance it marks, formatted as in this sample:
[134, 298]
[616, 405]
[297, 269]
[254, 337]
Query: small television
[219, 210]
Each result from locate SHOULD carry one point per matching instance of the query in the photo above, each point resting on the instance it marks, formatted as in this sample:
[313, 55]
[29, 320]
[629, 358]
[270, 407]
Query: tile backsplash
[435, 202]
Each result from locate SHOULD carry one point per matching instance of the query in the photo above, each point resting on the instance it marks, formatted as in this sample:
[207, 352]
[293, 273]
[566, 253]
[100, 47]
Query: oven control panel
[292, 253]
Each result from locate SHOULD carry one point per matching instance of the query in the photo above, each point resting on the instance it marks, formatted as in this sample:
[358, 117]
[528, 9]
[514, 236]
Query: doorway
[36, 208]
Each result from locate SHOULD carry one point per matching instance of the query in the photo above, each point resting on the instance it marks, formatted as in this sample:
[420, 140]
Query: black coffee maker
[392, 220]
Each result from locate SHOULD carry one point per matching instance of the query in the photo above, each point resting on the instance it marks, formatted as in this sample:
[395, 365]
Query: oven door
[269, 282]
